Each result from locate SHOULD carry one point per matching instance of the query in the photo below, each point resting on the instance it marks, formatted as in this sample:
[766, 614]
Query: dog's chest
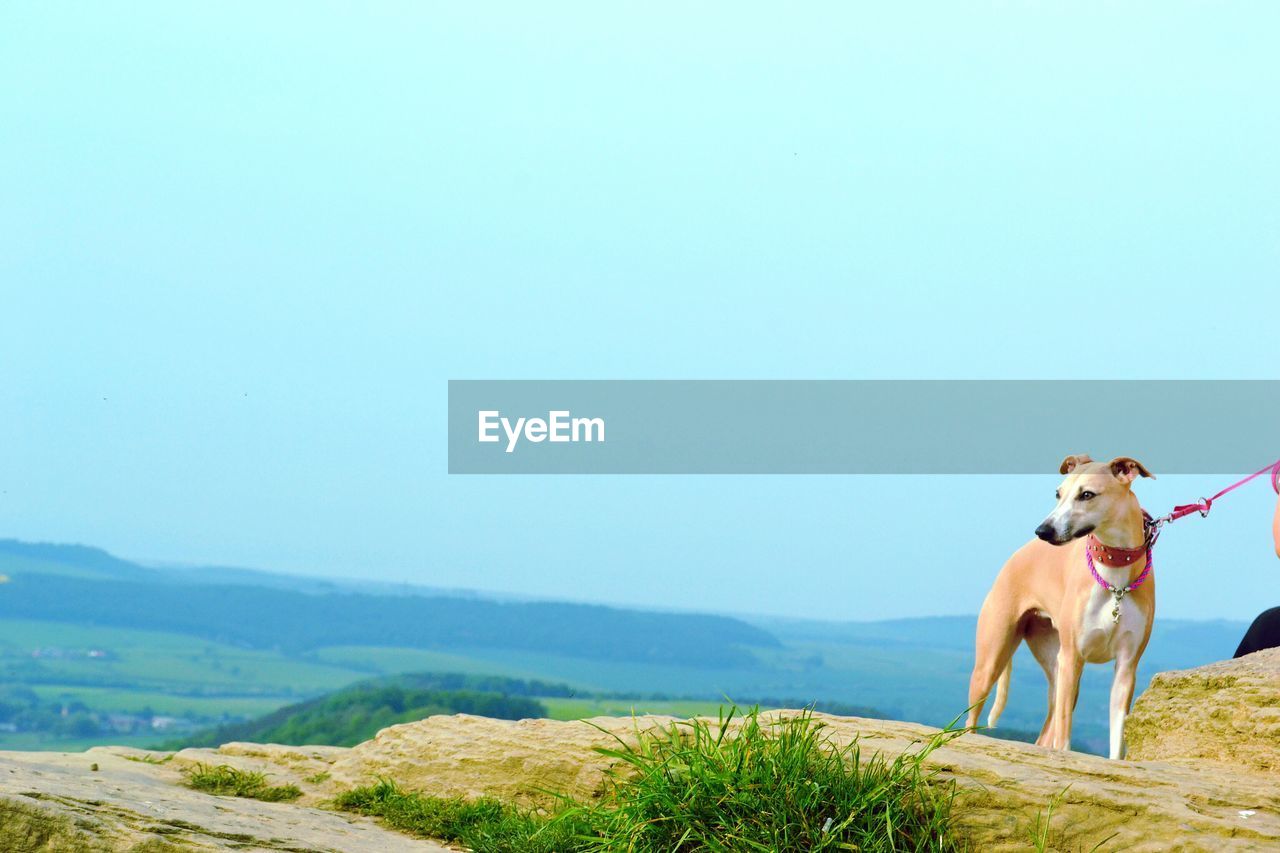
[1102, 636]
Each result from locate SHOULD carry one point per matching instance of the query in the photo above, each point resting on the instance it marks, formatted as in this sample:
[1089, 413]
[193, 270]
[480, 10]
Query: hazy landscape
[96, 649]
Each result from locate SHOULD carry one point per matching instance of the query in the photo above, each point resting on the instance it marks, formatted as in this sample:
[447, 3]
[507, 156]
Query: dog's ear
[1128, 469]
[1072, 462]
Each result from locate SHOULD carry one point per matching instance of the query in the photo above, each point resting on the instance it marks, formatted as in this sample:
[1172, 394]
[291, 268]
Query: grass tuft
[484, 825]
[731, 784]
[1042, 839]
[781, 784]
[225, 780]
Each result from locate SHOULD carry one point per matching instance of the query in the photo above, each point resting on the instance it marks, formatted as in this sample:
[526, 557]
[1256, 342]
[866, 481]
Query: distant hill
[356, 713]
[1175, 643]
[204, 647]
[18, 557]
[79, 561]
[90, 587]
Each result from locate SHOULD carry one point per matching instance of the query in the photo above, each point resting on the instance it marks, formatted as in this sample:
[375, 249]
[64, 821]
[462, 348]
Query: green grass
[772, 785]
[1042, 839]
[227, 781]
[484, 825]
[724, 785]
[1038, 834]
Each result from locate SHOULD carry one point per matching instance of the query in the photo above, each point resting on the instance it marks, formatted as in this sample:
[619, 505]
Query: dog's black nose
[1045, 532]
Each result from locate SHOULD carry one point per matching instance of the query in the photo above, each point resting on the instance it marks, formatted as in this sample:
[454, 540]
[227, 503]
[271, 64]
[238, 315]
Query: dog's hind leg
[998, 637]
[1042, 639]
[1002, 695]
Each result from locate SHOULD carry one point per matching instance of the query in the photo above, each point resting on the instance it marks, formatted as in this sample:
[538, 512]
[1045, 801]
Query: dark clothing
[1264, 633]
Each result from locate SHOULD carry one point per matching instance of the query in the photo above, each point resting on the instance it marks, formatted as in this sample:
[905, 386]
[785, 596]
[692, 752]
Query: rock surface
[470, 756]
[1005, 785]
[129, 803]
[1227, 712]
[1213, 787]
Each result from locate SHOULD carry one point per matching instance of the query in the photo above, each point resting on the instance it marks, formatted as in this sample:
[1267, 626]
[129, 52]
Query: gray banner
[857, 427]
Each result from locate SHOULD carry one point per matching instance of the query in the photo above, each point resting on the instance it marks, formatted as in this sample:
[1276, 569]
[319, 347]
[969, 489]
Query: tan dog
[1046, 595]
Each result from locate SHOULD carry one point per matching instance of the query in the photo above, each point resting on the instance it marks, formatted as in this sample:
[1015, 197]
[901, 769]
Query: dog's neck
[1125, 530]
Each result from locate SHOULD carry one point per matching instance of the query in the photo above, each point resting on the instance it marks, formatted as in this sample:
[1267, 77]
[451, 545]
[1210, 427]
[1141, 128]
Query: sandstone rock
[1215, 728]
[1139, 806]
[128, 802]
[471, 756]
[1227, 712]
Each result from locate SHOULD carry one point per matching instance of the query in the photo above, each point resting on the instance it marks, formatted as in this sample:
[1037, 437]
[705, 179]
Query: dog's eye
[1087, 496]
[1058, 494]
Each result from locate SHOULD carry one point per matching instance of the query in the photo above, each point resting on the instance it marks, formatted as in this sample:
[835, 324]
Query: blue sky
[243, 247]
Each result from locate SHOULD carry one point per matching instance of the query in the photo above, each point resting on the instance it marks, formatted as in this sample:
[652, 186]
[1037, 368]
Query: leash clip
[1206, 505]
[1119, 593]
[1151, 529]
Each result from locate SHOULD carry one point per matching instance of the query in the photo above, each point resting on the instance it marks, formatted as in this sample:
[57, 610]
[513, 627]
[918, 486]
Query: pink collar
[1122, 557]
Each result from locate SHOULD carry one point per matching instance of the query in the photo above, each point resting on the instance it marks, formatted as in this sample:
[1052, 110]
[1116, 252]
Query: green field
[123, 700]
[150, 672]
[40, 742]
[387, 660]
[559, 708]
[207, 683]
[155, 661]
[906, 670]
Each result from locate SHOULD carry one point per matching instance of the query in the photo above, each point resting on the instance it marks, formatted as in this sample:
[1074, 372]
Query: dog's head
[1092, 495]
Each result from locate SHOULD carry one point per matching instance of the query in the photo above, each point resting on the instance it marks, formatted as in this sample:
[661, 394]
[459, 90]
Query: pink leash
[1153, 526]
[1206, 504]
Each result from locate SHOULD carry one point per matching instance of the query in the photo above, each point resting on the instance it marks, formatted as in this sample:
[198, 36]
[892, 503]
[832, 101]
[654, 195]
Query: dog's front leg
[1070, 667]
[1121, 699]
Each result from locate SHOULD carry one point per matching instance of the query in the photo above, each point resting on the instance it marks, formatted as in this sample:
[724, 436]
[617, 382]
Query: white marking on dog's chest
[1102, 636]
